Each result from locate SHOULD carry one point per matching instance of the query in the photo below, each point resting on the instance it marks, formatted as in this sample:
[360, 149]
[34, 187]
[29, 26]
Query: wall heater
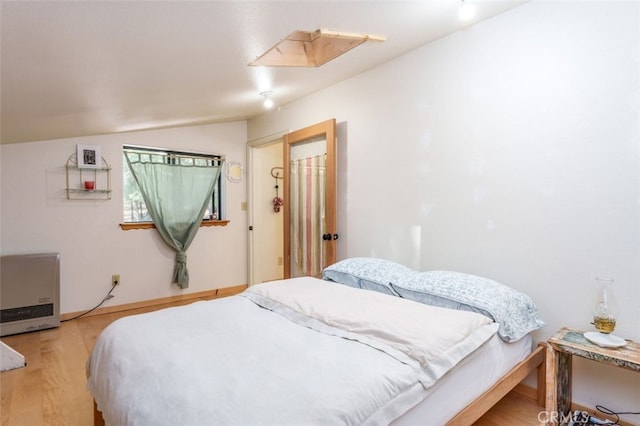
[29, 292]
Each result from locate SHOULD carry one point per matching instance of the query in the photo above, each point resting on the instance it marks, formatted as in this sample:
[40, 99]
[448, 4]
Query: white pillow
[514, 311]
[369, 273]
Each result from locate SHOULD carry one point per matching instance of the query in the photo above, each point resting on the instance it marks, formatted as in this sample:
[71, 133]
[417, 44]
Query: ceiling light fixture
[467, 11]
[268, 102]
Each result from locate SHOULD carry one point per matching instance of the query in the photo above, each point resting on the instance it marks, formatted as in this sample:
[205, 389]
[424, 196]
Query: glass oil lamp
[605, 307]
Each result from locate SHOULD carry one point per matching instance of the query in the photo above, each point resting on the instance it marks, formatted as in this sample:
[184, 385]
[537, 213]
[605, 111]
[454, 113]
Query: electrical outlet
[115, 280]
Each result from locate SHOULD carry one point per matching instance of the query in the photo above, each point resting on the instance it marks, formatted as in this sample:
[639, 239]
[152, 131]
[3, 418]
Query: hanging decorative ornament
[277, 203]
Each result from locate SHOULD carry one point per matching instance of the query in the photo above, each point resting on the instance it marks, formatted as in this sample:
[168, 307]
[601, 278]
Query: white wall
[508, 150]
[37, 217]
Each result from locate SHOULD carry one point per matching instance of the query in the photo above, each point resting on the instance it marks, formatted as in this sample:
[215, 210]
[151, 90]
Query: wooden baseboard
[203, 295]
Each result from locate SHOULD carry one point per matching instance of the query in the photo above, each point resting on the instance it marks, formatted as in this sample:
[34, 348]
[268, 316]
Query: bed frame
[482, 404]
[495, 393]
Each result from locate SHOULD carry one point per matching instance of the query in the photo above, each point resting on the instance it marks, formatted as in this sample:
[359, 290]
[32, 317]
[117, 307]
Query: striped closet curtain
[307, 204]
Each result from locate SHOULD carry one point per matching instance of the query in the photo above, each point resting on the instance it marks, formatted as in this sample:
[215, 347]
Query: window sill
[150, 225]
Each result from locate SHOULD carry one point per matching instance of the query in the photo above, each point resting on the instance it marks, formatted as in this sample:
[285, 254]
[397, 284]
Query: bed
[309, 351]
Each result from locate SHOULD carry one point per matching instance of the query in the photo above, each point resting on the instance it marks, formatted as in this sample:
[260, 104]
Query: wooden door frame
[327, 128]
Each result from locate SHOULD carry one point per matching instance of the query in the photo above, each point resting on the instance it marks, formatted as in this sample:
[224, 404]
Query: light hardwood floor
[51, 390]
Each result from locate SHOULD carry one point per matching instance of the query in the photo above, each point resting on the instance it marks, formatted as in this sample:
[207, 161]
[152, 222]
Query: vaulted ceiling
[78, 68]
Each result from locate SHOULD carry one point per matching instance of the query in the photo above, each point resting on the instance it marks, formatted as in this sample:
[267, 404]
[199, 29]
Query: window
[134, 208]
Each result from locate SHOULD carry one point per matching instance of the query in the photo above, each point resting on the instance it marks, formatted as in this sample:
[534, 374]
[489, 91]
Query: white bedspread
[294, 352]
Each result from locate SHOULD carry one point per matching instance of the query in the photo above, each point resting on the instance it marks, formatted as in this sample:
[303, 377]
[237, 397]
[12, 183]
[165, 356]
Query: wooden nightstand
[560, 349]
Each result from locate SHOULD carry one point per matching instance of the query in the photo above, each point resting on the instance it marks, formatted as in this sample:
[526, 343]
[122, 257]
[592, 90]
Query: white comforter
[294, 352]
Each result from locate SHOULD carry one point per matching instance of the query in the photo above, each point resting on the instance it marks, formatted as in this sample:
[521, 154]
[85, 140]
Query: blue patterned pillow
[368, 273]
[514, 311]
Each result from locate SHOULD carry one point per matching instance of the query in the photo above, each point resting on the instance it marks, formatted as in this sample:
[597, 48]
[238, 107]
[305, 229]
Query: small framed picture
[89, 156]
[235, 171]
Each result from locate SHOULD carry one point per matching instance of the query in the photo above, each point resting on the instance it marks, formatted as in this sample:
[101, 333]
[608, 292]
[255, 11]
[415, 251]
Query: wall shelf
[76, 177]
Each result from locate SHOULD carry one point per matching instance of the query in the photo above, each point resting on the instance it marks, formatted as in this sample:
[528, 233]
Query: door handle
[335, 236]
[326, 237]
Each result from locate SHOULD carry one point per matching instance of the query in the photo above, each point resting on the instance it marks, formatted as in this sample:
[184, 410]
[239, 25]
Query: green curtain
[176, 196]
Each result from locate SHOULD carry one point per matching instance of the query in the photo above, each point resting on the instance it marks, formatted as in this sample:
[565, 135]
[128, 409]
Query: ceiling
[78, 68]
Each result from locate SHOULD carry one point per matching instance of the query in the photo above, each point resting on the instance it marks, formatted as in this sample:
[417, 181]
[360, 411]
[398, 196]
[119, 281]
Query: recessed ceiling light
[311, 48]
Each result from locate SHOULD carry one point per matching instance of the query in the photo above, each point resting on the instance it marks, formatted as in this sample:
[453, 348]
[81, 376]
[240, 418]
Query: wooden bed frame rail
[480, 405]
[484, 402]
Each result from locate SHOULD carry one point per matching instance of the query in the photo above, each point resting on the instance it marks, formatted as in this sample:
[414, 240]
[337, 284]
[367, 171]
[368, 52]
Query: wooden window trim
[150, 225]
